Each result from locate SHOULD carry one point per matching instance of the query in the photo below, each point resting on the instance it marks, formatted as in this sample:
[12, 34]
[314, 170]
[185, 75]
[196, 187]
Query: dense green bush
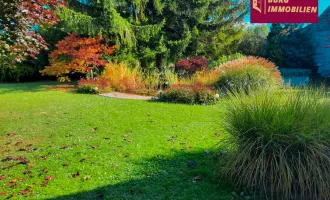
[280, 143]
[189, 94]
[14, 72]
[247, 73]
[87, 89]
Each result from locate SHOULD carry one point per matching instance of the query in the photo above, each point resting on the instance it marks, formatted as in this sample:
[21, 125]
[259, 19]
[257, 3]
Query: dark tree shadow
[182, 176]
[7, 88]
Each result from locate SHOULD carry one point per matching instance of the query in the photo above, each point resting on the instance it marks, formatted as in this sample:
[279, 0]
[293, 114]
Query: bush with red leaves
[92, 86]
[191, 65]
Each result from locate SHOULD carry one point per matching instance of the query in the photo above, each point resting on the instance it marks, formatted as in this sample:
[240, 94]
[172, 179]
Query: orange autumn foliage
[75, 54]
[122, 78]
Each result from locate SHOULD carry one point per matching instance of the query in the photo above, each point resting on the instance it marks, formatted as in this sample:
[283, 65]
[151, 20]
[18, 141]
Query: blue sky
[323, 4]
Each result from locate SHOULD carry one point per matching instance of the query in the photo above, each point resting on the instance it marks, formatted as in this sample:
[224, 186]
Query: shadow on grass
[182, 176]
[7, 88]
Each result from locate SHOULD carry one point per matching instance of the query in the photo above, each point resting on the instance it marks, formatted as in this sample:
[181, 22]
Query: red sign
[284, 11]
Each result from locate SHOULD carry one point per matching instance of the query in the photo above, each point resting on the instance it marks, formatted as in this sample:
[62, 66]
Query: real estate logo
[284, 11]
[257, 5]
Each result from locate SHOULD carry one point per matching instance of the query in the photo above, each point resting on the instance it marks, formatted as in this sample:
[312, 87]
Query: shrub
[87, 89]
[122, 78]
[17, 71]
[281, 143]
[189, 94]
[248, 73]
[191, 65]
[92, 86]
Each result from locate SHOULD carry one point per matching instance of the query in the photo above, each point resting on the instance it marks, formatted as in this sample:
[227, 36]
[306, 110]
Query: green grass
[139, 150]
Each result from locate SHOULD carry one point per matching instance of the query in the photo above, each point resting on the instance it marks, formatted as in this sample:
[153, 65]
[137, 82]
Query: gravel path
[119, 95]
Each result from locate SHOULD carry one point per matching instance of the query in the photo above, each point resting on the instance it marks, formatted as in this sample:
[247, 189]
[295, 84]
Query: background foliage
[289, 46]
[156, 32]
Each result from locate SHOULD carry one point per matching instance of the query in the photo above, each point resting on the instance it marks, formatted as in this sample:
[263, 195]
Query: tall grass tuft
[246, 78]
[244, 73]
[280, 143]
[208, 77]
[248, 73]
[151, 80]
[123, 78]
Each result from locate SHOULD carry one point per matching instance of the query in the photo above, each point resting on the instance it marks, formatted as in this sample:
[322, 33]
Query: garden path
[120, 95]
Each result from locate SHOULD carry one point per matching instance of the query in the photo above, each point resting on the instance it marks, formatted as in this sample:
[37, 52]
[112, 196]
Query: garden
[207, 114]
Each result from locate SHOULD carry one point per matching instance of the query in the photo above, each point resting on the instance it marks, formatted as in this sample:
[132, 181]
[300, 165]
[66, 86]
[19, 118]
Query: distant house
[320, 33]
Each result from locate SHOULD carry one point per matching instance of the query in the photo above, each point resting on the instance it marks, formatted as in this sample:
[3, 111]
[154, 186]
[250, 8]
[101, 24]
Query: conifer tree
[156, 32]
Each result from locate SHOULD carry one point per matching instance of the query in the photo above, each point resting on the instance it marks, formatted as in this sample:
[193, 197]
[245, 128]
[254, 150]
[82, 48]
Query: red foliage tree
[75, 54]
[18, 21]
[192, 64]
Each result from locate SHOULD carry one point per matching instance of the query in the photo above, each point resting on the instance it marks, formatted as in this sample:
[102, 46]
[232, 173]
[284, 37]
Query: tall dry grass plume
[122, 78]
[210, 77]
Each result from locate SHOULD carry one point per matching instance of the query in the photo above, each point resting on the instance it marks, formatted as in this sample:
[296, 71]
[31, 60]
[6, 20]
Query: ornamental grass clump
[280, 143]
[123, 78]
[248, 73]
[242, 74]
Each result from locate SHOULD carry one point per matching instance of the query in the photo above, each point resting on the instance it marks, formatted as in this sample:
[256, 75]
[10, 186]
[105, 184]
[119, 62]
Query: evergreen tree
[289, 46]
[157, 32]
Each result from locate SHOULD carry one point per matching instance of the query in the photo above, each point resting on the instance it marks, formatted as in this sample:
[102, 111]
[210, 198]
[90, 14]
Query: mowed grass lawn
[56, 144]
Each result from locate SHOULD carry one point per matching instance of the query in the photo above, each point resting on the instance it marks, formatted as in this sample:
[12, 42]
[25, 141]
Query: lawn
[56, 144]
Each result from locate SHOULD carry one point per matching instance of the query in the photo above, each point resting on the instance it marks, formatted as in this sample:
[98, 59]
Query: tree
[19, 40]
[289, 46]
[216, 44]
[75, 54]
[157, 32]
[254, 40]
[18, 23]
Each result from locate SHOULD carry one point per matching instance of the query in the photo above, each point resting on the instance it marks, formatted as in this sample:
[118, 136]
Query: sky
[323, 4]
